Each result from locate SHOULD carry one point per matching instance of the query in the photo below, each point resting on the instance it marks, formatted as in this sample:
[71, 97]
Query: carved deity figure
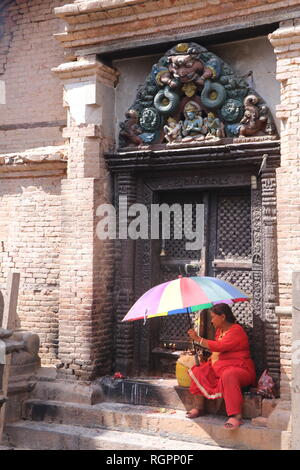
[185, 67]
[130, 129]
[172, 130]
[254, 119]
[184, 71]
[193, 124]
[214, 126]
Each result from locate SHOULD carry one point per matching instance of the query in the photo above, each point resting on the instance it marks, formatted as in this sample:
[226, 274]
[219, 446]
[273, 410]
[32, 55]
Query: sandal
[193, 413]
[232, 423]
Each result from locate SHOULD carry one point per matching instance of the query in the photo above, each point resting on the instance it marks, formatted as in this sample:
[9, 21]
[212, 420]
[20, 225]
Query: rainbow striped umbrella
[184, 295]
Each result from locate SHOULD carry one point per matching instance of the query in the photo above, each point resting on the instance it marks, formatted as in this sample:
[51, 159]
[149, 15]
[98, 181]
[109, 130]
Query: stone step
[166, 393]
[156, 421]
[45, 436]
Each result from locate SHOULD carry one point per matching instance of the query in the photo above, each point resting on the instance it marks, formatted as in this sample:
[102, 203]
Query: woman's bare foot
[233, 422]
[194, 413]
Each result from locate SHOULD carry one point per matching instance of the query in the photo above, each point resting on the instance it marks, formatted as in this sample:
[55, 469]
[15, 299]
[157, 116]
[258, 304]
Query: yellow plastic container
[182, 375]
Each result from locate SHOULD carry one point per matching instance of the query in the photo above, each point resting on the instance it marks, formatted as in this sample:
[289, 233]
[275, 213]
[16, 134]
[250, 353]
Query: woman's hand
[193, 335]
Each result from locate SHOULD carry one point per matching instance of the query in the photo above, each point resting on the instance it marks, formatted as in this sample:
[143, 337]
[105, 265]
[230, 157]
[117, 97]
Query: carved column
[270, 290]
[86, 282]
[124, 280]
[258, 349]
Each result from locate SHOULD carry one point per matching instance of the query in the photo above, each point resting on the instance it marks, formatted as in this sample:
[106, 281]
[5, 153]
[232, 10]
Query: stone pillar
[86, 282]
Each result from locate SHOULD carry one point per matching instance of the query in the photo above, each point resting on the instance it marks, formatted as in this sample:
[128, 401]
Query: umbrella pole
[193, 342]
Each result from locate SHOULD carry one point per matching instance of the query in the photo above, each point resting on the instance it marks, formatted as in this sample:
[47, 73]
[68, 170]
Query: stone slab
[67, 391]
[157, 421]
[159, 392]
[166, 393]
[42, 436]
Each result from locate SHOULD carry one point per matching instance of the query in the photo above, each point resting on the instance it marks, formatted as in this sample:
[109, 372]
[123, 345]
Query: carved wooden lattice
[234, 246]
[243, 280]
[234, 228]
[174, 329]
[176, 248]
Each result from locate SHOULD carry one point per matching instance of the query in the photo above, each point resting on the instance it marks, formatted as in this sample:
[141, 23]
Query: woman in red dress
[229, 367]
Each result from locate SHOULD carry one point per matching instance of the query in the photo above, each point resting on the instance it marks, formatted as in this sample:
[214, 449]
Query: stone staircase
[130, 415]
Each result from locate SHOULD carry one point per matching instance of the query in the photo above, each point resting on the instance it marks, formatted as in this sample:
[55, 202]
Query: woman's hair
[224, 309]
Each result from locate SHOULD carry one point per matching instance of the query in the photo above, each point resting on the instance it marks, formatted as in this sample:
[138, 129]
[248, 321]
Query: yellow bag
[183, 364]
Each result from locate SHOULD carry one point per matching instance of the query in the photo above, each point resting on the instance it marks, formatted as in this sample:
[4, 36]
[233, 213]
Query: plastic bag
[265, 385]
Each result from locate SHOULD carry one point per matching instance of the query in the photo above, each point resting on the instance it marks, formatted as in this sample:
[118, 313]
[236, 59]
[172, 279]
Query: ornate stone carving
[257, 348]
[183, 182]
[124, 287]
[172, 130]
[189, 76]
[255, 118]
[269, 220]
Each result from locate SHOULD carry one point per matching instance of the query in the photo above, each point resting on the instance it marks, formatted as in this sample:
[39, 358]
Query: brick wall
[85, 315]
[286, 42]
[30, 243]
[120, 22]
[33, 114]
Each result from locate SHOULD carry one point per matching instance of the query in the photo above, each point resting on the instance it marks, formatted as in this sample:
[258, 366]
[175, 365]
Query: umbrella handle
[193, 342]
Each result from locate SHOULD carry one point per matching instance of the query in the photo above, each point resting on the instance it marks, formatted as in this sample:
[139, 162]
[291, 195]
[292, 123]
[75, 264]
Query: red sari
[229, 368]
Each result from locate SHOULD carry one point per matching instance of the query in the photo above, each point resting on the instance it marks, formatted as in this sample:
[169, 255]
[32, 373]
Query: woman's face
[217, 320]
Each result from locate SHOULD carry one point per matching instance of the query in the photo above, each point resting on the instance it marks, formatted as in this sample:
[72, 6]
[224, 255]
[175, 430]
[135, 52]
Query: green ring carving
[232, 110]
[210, 86]
[171, 96]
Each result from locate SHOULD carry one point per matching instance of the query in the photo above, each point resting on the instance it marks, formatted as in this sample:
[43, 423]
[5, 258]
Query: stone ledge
[84, 7]
[87, 67]
[145, 420]
[35, 155]
[167, 393]
[45, 436]
[285, 35]
[106, 22]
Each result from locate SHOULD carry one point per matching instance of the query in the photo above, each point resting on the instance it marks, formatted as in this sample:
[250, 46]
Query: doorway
[226, 253]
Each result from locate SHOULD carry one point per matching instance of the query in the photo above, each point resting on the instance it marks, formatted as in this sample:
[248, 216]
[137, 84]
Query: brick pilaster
[85, 322]
[286, 42]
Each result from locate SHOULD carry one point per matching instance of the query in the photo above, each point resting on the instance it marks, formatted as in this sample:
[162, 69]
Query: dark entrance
[226, 254]
[239, 194]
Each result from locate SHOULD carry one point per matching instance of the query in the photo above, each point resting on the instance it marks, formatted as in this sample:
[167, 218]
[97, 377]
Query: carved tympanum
[190, 96]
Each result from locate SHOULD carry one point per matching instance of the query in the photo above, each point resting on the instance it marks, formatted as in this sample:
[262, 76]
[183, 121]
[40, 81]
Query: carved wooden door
[174, 259]
[230, 246]
[226, 254]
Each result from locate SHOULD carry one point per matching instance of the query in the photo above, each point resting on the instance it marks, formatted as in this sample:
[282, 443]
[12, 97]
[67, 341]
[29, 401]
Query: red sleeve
[232, 341]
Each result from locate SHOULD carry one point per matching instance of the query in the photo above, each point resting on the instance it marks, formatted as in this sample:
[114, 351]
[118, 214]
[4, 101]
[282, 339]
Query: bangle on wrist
[201, 339]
